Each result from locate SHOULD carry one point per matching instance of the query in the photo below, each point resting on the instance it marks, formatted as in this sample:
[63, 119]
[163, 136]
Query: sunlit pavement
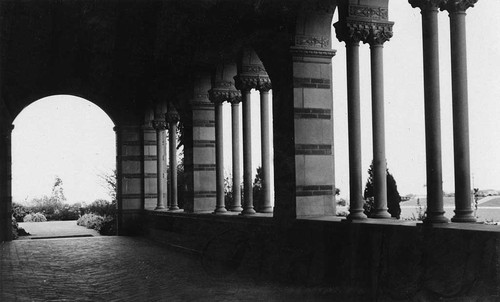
[123, 269]
[55, 229]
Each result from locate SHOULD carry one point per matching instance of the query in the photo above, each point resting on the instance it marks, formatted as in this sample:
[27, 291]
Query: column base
[381, 214]
[356, 215]
[248, 211]
[176, 208]
[220, 210]
[463, 216]
[436, 217]
[236, 209]
[267, 209]
[160, 208]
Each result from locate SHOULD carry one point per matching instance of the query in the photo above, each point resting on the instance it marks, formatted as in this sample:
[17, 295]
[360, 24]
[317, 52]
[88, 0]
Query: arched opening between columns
[63, 159]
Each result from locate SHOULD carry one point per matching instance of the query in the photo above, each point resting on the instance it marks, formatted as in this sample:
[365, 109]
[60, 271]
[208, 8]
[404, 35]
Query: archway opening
[63, 164]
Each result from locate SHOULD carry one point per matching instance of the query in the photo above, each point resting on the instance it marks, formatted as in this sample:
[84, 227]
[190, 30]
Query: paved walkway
[123, 269]
[55, 229]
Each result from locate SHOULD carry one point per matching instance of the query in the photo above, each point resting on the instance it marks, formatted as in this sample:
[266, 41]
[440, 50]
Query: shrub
[19, 211]
[37, 217]
[105, 225]
[101, 207]
[15, 228]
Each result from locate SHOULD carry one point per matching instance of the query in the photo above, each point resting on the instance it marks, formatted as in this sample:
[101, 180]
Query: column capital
[159, 125]
[454, 6]
[246, 82]
[426, 4]
[355, 31]
[264, 84]
[217, 96]
[172, 116]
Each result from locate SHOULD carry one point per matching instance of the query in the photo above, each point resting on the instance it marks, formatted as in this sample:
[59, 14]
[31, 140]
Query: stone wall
[357, 261]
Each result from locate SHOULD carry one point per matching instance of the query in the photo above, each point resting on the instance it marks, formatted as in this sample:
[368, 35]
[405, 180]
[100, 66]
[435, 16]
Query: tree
[393, 197]
[109, 183]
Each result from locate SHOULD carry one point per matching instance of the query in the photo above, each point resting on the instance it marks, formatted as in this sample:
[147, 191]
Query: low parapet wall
[369, 260]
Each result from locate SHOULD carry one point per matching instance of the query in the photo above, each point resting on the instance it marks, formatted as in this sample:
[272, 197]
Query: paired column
[430, 39]
[160, 126]
[352, 38]
[172, 118]
[463, 205]
[377, 39]
[219, 159]
[264, 87]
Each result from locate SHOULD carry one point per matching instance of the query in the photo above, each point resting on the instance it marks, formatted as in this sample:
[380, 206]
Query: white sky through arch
[65, 136]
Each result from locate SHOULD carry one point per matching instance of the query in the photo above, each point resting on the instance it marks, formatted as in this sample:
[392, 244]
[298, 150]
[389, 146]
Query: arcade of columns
[313, 182]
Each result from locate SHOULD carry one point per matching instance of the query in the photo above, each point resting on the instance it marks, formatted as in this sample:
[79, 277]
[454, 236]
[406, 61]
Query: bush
[37, 217]
[66, 212]
[105, 225]
[102, 207]
[19, 211]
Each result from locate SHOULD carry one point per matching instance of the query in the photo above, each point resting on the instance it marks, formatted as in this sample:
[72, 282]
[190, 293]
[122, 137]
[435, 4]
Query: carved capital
[453, 6]
[172, 116]
[246, 82]
[264, 84]
[380, 33]
[426, 4]
[374, 33]
[217, 96]
[159, 125]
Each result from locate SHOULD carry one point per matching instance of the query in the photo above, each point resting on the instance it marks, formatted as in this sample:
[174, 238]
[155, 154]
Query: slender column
[160, 127]
[354, 124]
[265, 207]
[378, 124]
[172, 118]
[235, 124]
[463, 189]
[219, 159]
[247, 154]
[430, 40]
[5, 183]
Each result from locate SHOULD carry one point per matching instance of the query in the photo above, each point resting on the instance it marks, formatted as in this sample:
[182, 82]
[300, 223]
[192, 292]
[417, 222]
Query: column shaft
[219, 159]
[354, 123]
[463, 207]
[247, 155]
[172, 142]
[379, 161]
[430, 38]
[265, 206]
[160, 168]
[235, 124]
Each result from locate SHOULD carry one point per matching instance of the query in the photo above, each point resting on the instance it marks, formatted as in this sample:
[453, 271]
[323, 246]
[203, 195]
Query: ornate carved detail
[264, 84]
[253, 69]
[373, 13]
[223, 84]
[224, 95]
[453, 6]
[312, 41]
[246, 82]
[159, 125]
[172, 116]
[308, 52]
[426, 4]
[367, 32]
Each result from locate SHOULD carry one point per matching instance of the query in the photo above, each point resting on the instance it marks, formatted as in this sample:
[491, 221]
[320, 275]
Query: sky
[84, 144]
[62, 136]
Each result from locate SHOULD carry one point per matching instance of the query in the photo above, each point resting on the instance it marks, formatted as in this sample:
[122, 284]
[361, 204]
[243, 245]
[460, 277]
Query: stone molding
[426, 4]
[159, 125]
[367, 12]
[454, 6]
[312, 52]
[312, 41]
[172, 116]
[354, 31]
